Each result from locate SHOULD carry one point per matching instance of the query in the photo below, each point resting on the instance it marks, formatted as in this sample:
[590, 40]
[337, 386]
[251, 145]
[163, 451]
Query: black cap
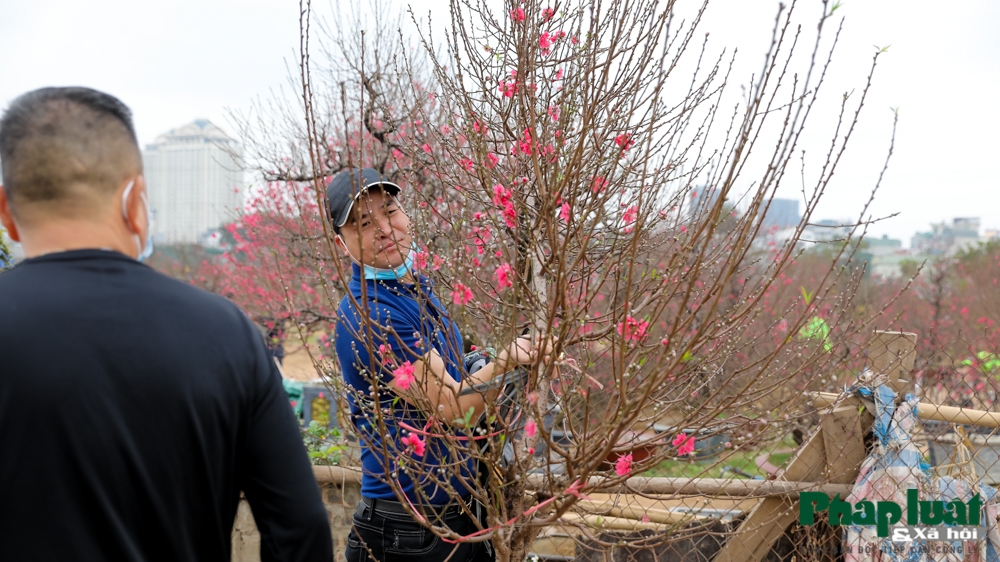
[347, 186]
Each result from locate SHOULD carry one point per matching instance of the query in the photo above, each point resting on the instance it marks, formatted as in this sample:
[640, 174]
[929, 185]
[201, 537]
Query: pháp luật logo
[924, 518]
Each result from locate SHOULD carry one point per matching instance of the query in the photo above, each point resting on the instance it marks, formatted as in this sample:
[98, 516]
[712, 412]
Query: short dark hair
[66, 148]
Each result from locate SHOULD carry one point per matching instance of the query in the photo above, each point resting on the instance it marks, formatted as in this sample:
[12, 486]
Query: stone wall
[341, 490]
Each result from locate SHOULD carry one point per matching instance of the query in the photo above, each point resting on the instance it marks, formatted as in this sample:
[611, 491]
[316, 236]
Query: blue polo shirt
[386, 324]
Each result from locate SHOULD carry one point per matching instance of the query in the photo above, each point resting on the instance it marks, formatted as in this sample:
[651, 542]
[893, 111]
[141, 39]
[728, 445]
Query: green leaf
[806, 295]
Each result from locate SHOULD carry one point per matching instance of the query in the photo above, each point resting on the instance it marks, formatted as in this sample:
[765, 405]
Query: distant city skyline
[188, 168]
[942, 71]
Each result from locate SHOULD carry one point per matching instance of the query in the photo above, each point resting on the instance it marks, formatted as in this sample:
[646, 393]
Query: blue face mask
[147, 251]
[389, 274]
[143, 253]
[379, 274]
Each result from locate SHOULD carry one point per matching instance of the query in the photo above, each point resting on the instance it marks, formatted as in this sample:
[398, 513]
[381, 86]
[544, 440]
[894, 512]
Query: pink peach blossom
[599, 184]
[509, 215]
[461, 295]
[629, 218]
[508, 89]
[505, 275]
[524, 145]
[624, 141]
[564, 211]
[545, 42]
[633, 329]
[403, 375]
[684, 444]
[420, 259]
[530, 428]
[414, 443]
[623, 466]
[501, 195]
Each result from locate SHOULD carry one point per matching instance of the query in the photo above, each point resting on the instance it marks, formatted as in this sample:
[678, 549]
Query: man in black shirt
[133, 408]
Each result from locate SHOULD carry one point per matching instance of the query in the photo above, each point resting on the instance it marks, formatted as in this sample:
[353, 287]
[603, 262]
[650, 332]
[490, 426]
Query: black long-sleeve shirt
[133, 411]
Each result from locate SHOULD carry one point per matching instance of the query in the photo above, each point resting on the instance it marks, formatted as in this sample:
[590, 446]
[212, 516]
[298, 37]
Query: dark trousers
[386, 536]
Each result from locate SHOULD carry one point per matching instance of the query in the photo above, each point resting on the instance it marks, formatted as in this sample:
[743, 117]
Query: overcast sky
[176, 61]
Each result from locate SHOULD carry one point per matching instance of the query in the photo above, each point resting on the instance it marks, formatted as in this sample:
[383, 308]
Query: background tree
[951, 302]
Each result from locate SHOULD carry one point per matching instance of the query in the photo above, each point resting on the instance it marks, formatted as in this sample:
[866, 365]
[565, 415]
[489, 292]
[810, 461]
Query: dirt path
[299, 367]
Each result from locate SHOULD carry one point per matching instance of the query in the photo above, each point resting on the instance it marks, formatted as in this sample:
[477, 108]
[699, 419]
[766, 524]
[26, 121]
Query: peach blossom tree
[581, 170]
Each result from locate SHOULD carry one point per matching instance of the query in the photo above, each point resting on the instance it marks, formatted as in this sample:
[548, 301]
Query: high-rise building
[945, 239]
[885, 256]
[194, 182]
[829, 230]
[782, 213]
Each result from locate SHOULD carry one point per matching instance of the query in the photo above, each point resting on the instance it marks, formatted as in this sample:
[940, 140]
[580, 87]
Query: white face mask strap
[346, 249]
[135, 235]
[125, 194]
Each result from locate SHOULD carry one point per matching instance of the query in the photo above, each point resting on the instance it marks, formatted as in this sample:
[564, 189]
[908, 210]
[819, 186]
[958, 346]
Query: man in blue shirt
[401, 357]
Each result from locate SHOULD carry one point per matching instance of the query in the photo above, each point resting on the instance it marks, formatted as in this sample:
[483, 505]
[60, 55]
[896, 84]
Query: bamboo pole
[647, 485]
[612, 523]
[336, 475]
[925, 411]
[638, 513]
[735, 488]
